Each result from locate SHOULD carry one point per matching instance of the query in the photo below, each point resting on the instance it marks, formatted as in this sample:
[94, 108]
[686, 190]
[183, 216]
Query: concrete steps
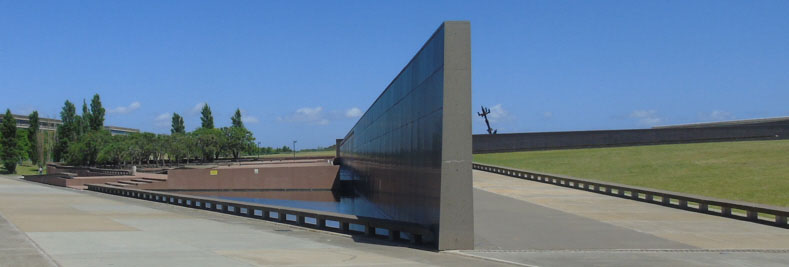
[134, 182]
[130, 182]
[154, 179]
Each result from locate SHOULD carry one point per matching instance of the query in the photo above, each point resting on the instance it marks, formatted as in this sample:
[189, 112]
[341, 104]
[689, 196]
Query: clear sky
[306, 70]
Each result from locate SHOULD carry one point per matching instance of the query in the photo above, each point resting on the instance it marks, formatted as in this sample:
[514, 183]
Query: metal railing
[91, 171]
[758, 213]
[416, 234]
[114, 172]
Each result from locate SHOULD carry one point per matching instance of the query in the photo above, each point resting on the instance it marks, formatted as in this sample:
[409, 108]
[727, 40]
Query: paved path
[517, 222]
[504, 223]
[540, 224]
[82, 228]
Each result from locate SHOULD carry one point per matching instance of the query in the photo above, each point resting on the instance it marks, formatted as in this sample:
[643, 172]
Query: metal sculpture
[484, 114]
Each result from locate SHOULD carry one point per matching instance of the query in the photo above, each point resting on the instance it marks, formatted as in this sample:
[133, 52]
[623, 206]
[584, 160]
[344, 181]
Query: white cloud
[246, 118]
[197, 108]
[646, 117]
[310, 111]
[250, 119]
[497, 113]
[547, 114]
[353, 113]
[163, 120]
[307, 115]
[717, 115]
[127, 109]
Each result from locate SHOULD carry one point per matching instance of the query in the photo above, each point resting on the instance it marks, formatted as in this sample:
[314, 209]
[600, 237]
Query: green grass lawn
[25, 168]
[753, 171]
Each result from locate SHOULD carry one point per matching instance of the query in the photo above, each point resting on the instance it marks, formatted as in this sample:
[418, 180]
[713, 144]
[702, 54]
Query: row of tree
[78, 128]
[82, 140]
[18, 144]
[11, 149]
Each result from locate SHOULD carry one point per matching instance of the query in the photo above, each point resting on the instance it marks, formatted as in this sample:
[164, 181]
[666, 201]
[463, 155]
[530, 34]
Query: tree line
[17, 144]
[91, 145]
[82, 140]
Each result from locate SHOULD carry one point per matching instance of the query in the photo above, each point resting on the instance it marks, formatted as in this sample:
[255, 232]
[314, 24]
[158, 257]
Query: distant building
[47, 124]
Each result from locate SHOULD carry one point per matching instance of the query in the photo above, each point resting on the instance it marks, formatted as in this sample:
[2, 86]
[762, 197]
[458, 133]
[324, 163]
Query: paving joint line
[776, 251]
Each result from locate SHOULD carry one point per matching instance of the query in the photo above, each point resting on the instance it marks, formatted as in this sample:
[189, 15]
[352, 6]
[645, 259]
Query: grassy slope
[753, 171]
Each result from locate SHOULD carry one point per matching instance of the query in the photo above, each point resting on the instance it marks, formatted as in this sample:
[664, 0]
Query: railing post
[394, 235]
[780, 220]
[415, 238]
[703, 207]
[752, 215]
[725, 211]
[369, 230]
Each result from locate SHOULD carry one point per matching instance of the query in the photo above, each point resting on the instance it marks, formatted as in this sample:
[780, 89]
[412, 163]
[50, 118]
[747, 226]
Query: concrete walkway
[518, 222]
[546, 225]
[82, 228]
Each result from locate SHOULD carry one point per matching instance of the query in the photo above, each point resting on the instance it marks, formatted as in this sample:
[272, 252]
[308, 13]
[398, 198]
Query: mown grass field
[25, 168]
[753, 171]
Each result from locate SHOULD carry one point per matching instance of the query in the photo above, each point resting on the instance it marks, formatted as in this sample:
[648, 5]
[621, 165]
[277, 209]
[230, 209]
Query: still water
[313, 200]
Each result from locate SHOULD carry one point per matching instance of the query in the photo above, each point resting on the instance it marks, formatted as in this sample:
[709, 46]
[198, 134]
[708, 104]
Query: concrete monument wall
[261, 177]
[411, 151]
[484, 143]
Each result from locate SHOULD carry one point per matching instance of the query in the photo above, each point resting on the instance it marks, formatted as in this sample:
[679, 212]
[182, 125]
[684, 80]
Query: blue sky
[305, 70]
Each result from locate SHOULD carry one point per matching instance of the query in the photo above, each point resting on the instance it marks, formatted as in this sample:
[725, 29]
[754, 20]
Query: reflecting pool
[314, 200]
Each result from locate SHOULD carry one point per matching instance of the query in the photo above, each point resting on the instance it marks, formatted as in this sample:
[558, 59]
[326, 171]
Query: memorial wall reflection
[393, 153]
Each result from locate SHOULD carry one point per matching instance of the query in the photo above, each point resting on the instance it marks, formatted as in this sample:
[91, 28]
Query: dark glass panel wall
[395, 149]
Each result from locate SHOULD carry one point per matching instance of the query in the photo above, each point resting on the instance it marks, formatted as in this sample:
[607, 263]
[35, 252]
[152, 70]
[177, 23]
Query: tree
[208, 142]
[160, 148]
[32, 136]
[83, 123]
[237, 140]
[237, 119]
[10, 153]
[22, 144]
[207, 119]
[86, 150]
[185, 146]
[96, 117]
[66, 132]
[115, 151]
[178, 124]
[147, 144]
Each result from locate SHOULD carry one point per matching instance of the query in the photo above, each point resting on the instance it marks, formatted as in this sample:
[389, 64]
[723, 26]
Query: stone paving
[549, 225]
[82, 228]
[517, 222]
